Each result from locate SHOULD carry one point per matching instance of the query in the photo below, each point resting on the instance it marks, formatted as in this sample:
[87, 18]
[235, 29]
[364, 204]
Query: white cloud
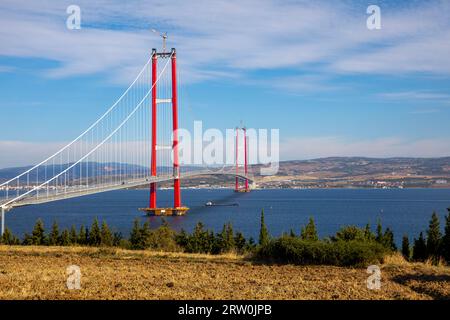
[318, 147]
[415, 95]
[21, 153]
[230, 37]
[4, 69]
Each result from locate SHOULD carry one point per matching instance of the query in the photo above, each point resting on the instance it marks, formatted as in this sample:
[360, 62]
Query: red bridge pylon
[237, 188]
[177, 208]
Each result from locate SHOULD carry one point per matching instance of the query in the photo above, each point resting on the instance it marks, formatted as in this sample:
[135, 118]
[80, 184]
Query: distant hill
[93, 169]
[335, 172]
[361, 172]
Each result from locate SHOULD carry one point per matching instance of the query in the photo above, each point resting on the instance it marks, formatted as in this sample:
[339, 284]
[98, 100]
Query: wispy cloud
[425, 111]
[221, 37]
[317, 147]
[22, 153]
[416, 95]
[4, 69]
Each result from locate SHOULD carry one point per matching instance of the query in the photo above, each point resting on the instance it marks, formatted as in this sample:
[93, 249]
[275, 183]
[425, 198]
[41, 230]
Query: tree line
[431, 245]
[350, 245]
[96, 235]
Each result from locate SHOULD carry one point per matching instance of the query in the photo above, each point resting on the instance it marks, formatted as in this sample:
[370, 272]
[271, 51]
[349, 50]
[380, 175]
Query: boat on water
[212, 204]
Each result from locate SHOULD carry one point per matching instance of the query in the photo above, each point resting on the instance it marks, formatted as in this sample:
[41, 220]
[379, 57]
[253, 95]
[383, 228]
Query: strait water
[403, 210]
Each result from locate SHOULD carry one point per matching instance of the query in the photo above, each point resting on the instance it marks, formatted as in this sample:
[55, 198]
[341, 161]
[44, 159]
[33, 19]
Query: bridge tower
[237, 188]
[177, 208]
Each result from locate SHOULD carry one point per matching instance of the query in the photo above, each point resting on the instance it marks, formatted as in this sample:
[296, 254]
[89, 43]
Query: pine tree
[95, 237]
[7, 238]
[145, 235]
[73, 235]
[368, 234]
[182, 238]
[135, 235]
[64, 238]
[292, 234]
[82, 236]
[406, 250]
[446, 239]
[27, 239]
[54, 235]
[433, 237]
[388, 240]
[420, 249]
[38, 233]
[309, 232]
[15, 241]
[117, 238]
[226, 239]
[264, 236]
[106, 236]
[379, 236]
[251, 243]
[240, 241]
[201, 241]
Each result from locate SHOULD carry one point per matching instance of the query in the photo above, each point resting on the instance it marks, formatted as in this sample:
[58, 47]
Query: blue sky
[309, 68]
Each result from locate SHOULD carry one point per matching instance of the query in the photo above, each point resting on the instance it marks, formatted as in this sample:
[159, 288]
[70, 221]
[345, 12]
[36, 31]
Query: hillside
[40, 273]
[338, 172]
[361, 173]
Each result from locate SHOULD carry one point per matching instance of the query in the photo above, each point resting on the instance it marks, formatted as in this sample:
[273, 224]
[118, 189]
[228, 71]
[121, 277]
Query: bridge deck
[79, 191]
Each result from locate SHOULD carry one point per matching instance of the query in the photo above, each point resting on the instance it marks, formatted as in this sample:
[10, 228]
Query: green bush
[351, 233]
[339, 253]
[162, 239]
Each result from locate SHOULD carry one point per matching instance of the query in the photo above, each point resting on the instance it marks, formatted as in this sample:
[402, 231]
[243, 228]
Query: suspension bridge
[134, 143]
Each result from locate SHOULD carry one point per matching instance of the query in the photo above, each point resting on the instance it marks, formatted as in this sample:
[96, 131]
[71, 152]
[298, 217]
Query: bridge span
[135, 141]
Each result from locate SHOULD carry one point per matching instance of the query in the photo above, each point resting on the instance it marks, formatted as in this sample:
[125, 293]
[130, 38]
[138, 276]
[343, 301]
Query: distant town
[338, 172]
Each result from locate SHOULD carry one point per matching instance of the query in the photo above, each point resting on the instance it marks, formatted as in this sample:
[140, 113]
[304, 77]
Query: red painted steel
[236, 186]
[245, 158]
[176, 167]
[154, 114]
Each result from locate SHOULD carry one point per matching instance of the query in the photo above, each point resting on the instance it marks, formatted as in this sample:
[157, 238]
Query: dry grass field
[40, 273]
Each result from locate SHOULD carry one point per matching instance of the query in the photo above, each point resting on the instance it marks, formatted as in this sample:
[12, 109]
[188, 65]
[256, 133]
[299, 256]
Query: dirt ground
[40, 273]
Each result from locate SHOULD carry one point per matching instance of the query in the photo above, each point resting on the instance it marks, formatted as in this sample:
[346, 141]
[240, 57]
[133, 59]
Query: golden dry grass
[40, 273]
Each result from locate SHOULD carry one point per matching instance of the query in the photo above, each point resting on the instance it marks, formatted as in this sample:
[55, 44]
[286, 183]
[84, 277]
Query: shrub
[338, 253]
[162, 239]
[200, 241]
[309, 232]
[350, 233]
